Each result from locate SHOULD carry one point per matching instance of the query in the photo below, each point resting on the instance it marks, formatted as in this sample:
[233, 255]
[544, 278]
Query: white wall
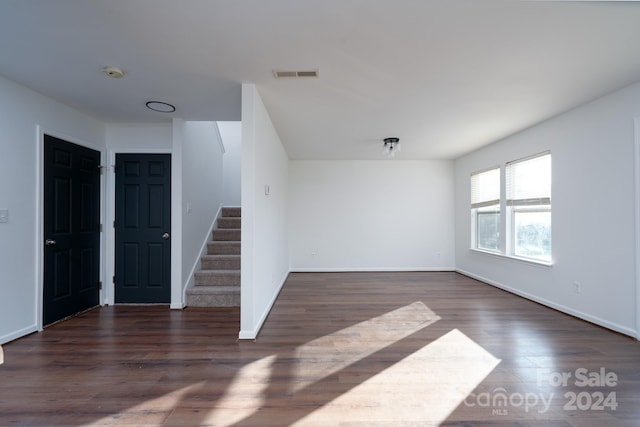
[231, 134]
[24, 115]
[371, 215]
[139, 137]
[202, 190]
[592, 149]
[265, 262]
[177, 289]
[128, 138]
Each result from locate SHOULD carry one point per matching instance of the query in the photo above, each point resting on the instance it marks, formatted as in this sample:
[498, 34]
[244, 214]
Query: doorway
[71, 211]
[143, 228]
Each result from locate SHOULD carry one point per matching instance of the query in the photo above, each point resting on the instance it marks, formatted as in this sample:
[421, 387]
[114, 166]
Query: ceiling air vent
[302, 73]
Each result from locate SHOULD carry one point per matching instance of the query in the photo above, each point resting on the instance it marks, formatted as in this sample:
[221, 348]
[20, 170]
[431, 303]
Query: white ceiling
[446, 77]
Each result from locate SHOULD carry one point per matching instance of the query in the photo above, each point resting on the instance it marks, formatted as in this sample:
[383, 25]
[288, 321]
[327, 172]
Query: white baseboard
[247, 335]
[18, 334]
[369, 269]
[576, 313]
[253, 334]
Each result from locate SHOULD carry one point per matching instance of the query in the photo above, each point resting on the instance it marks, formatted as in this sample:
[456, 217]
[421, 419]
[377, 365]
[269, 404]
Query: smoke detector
[114, 72]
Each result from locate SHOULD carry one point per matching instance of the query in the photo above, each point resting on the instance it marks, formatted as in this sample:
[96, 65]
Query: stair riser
[229, 222]
[234, 212]
[223, 248]
[221, 264]
[214, 300]
[204, 279]
[226, 235]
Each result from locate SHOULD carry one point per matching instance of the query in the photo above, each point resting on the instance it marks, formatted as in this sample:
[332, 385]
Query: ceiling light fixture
[114, 72]
[391, 146]
[160, 107]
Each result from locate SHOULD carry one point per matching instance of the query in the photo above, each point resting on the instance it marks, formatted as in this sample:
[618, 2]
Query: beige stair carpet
[217, 283]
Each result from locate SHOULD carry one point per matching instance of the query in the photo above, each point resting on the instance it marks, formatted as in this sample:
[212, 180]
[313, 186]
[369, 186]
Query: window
[529, 207]
[526, 222]
[485, 209]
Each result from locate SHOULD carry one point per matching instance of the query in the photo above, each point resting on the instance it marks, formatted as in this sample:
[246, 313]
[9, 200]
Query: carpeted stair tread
[229, 222]
[213, 296]
[227, 234]
[220, 262]
[223, 248]
[217, 278]
[231, 211]
[212, 272]
[201, 290]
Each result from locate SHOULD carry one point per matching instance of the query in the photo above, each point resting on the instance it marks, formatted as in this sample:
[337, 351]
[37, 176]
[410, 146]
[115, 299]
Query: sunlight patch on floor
[435, 381]
[357, 380]
[356, 342]
[244, 394]
[150, 411]
[314, 361]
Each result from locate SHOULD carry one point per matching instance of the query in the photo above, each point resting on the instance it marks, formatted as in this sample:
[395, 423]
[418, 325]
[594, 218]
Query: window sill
[514, 258]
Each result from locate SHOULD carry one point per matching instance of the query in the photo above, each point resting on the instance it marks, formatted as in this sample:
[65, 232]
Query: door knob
[50, 242]
[166, 236]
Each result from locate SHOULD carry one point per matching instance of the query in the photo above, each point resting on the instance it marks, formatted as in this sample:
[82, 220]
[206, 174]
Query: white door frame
[637, 220]
[176, 256]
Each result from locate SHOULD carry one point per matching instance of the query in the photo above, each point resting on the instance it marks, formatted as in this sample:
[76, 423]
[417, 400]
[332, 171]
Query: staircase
[217, 283]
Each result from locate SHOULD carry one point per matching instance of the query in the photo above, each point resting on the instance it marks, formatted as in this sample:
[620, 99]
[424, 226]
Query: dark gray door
[143, 228]
[71, 229]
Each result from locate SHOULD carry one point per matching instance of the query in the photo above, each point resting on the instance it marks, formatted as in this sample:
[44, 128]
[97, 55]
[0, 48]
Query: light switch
[4, 215]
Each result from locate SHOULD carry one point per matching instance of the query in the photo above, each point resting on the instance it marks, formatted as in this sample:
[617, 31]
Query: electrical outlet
[4, 215]
[576, 287]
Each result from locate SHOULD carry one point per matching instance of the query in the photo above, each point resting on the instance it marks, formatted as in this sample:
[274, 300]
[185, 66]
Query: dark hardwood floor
[347, 349]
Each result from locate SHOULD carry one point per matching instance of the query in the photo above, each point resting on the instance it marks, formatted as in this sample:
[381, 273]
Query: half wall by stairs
[217, 283]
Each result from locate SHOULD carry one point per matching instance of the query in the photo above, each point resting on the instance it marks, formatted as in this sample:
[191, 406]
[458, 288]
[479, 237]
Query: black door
[143, 228]
[71, 229]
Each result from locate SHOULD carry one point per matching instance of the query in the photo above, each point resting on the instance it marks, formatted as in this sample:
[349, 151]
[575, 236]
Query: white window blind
[485, 188]
[529, 181]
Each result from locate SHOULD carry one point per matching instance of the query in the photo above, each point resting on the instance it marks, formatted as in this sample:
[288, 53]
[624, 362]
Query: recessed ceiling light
[160, 107]
[114, 72]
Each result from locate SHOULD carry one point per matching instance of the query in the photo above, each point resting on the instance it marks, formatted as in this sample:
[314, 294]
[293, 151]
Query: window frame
[512, 211]
[507, 207]
[476, 212]
[489, 205]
